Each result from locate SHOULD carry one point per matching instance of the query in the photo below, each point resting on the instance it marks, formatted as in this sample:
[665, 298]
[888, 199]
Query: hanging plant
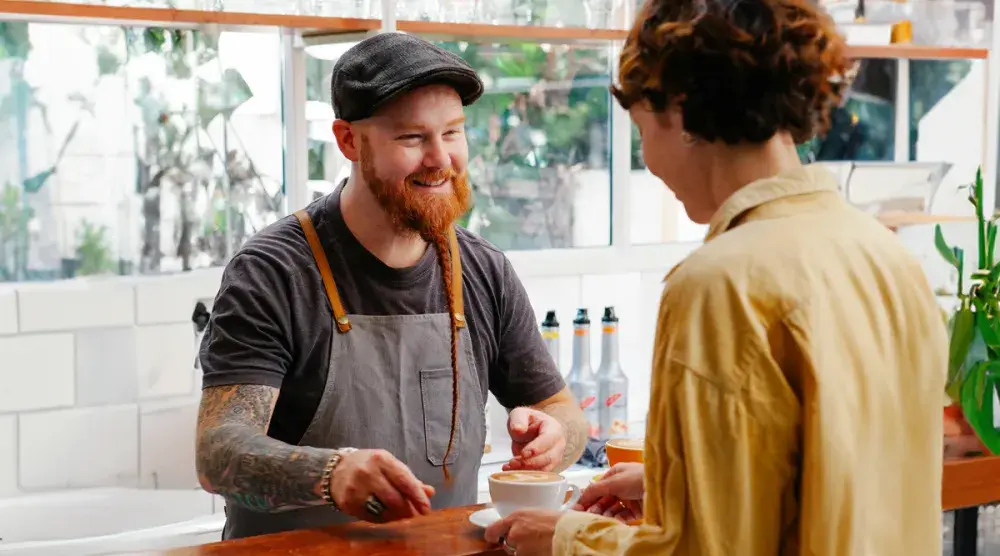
[974, 334]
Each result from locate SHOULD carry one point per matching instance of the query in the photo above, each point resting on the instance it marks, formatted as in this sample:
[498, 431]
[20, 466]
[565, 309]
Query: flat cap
[386, 65]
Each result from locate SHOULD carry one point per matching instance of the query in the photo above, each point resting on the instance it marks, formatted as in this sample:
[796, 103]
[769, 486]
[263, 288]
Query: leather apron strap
[339, 315]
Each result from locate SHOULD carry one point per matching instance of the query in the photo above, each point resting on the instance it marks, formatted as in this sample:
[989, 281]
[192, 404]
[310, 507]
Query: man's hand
[537, 439]
[617, 494]
[365, 473]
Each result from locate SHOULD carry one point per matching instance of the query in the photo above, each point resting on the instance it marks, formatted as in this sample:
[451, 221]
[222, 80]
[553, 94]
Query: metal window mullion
[901, 142]
[388, 16]
[293, 109]
[621, 165]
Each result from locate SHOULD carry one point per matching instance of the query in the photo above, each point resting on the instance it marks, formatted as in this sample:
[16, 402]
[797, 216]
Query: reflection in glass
[134, 150]
[930, 82]
[538, 142]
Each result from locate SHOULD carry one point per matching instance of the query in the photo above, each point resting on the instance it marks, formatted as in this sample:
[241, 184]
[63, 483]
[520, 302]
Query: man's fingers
[546, 439]
[518, 421]
[396, 507]
[405, 482]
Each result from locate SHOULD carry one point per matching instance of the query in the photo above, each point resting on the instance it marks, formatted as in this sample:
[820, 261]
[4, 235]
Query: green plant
[974, 350]
[92, 250]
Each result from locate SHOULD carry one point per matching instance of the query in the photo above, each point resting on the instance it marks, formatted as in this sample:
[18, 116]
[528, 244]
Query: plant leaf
[942, 246]
[962, 332]
[985, 326]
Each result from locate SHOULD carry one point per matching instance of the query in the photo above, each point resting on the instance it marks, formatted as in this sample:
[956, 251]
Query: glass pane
[538, 142]
[134, 150]
[597, 14]
[935, 101]
[862, 129]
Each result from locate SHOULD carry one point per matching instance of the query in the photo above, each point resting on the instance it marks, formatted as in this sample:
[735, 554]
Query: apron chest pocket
[436, 396]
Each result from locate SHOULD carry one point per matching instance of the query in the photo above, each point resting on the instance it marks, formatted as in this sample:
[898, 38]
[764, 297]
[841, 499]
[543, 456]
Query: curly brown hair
[740, 70]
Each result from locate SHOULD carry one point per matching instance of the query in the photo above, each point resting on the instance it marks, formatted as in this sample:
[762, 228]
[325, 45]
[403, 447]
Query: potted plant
[974, 334]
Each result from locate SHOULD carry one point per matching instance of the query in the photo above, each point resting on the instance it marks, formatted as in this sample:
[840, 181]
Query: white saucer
[484, 518]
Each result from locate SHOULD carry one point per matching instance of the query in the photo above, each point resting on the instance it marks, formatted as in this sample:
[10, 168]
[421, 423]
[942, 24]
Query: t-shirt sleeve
[525, 373]
[248, 338]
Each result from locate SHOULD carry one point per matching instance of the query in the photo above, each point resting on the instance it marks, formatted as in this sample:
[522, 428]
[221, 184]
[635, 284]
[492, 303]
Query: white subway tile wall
[38, 371]
[8, 310]
[75, 304]
[98, 385]
[92, 446]
[8, 455]
[166, 444]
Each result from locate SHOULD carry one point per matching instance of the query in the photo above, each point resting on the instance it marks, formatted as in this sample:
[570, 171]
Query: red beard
[427, 214]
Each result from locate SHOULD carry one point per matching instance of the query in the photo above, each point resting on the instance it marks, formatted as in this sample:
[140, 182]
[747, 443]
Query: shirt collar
[799, 181]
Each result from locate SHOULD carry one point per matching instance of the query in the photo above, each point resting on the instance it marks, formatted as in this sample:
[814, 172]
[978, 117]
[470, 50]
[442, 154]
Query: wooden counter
[966, 483]
[444, 533]
[970, 482]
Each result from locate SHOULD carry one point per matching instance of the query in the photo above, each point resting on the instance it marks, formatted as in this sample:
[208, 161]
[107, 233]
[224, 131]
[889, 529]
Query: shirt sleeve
[718, 476]
[524, 373]
[248, 339]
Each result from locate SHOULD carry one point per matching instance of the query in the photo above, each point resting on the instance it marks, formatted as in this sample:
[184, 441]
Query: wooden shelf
[319, 26]
[88, 13]
[900, 219]
[918, 52]
[970, 482]
[526, 33]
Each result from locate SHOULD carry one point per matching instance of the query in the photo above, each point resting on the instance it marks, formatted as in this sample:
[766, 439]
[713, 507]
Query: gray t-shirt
[271, 323]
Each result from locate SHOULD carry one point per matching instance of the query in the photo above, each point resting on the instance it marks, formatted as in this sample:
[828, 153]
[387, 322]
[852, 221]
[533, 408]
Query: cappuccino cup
[513, 490]
[622, 450]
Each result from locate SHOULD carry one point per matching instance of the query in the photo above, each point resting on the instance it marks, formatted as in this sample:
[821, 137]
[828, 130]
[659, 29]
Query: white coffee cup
[513, 490]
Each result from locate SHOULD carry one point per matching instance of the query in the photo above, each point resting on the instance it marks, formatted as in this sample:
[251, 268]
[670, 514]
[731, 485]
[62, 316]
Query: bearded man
[352, 345]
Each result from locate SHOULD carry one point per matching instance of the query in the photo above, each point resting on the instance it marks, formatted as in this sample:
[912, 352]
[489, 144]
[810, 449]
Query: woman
[800, 356]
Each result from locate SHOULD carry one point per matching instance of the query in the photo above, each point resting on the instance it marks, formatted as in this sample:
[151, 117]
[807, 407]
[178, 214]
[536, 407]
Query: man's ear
[348, 139]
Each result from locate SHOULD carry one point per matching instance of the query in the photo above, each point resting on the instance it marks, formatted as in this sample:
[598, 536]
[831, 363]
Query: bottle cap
[581, 317]
[550, 320]
[609, 315]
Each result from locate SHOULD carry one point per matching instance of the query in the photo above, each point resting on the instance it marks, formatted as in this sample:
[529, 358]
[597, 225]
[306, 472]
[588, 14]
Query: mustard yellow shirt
[796, 400]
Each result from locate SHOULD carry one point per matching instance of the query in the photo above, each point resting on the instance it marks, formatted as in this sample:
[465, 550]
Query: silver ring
[374, 506]
[508, 548]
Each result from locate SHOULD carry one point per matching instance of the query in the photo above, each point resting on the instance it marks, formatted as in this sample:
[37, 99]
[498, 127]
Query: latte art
[526, 477]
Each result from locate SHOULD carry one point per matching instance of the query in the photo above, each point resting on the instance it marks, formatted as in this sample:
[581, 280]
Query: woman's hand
[617, 494]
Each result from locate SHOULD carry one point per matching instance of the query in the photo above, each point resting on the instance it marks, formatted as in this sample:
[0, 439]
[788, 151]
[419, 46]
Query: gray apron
[389, 386]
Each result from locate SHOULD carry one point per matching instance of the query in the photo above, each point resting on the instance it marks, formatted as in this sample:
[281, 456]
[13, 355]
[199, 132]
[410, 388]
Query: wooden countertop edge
[970, 482]
[316, 25]
[966, 482]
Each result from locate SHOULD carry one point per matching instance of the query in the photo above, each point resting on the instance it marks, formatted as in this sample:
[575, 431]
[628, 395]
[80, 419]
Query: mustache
[432, 176]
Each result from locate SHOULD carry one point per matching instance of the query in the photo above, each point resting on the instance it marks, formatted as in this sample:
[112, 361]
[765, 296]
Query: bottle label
[615, 415]
[550, 334]
[587, 402]
[579, 331]
[608, 329]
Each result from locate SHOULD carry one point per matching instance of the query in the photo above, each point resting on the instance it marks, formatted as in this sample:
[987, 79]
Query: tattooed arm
[565, 409]
[237, 460]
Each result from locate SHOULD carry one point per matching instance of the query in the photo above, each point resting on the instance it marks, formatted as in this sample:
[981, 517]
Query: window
[549, 13]
[539, 142]
[862, 129]
[134, 150]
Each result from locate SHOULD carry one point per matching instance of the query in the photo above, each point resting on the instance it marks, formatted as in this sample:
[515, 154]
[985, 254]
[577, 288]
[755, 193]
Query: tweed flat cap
[386, 65]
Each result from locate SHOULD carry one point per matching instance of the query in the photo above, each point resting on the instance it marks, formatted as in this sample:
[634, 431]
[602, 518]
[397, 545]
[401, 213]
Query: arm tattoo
[237, 460]
[575, 427]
